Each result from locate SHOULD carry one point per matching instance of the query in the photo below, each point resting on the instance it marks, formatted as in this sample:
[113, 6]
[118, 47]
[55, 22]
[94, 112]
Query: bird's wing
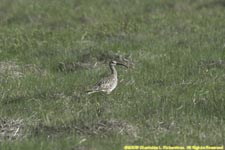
[103, 84]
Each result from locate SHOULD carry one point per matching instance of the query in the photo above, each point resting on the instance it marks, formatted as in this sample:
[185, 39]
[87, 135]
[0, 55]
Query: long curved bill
[121, 64]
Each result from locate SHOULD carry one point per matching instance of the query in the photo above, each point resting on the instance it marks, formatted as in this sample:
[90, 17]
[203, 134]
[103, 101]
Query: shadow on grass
[91, 61]
[212, 4]
[102, 128]
[210, 64]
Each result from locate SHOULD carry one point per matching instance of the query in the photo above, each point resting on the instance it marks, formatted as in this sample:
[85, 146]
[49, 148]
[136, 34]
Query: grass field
[51, 51]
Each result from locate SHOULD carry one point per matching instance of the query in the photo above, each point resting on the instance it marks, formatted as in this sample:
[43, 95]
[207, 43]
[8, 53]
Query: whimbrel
[109, 83]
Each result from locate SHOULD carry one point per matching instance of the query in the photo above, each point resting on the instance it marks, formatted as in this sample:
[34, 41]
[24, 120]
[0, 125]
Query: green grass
[172, 95]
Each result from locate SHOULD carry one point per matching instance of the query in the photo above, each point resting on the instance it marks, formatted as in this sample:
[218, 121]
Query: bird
[109, 83]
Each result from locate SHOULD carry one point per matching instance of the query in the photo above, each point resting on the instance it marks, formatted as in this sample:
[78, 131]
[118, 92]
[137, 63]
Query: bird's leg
[108, 92]
[91, 92]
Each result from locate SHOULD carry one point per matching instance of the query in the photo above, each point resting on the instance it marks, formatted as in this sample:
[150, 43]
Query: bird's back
[107, 84]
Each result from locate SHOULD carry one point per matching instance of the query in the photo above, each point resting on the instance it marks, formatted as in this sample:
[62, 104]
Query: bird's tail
[92, 90]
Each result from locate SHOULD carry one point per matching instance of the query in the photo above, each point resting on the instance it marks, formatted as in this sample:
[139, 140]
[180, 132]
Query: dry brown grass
[15, 70]
[11, 129]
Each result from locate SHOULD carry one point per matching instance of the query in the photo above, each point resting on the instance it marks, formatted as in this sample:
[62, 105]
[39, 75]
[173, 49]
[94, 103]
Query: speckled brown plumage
[109, 83]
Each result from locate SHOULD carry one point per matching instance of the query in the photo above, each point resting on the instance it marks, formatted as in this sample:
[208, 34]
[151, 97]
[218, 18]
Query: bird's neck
[113, 70]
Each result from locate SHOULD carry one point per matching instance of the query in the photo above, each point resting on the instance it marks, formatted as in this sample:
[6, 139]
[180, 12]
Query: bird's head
[114, 63]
